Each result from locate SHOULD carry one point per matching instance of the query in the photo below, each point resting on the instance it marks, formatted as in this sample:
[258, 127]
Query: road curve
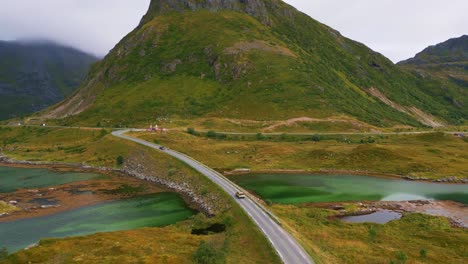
[289, 250]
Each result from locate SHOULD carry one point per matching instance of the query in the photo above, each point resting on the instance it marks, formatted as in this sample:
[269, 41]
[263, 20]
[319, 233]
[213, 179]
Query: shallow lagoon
[303, 188]
[379, 217]
[146, 211]
[12, 178]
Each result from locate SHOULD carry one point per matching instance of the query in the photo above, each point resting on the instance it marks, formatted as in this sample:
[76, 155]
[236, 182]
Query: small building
[156, 128]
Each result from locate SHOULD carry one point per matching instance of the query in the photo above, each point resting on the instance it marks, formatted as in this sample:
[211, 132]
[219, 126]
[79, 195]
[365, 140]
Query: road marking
[281, 241]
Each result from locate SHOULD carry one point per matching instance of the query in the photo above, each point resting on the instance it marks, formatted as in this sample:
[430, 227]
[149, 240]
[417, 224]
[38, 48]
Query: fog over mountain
[396, 28]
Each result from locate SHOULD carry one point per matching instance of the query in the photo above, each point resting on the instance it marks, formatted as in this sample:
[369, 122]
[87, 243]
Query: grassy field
[240, 243]
[149, 245]
[433, 156]
[430, 239]
[295, 125]
[99, 148]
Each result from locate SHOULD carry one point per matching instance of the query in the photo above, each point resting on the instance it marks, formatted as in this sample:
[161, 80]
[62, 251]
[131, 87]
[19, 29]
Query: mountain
[248, 59]
[35, 75]
[447, 62]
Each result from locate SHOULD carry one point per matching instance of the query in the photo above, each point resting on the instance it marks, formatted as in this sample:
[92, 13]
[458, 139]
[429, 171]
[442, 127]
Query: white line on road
[289, 250]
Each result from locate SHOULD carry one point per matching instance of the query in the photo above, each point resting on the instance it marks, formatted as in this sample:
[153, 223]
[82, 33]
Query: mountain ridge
[37, 74]
[255, 8]
[203, 60]
[454, 49]
[448, 63]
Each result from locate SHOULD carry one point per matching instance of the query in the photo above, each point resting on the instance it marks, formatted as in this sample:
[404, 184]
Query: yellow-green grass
[296, 125]
[7, 208]
[417, 238]
[148, 245]
[242, 241]
[435, 155]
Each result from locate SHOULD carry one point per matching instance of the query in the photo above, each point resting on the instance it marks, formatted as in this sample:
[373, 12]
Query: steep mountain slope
[447, 62]
[248, 59]
[36, 75]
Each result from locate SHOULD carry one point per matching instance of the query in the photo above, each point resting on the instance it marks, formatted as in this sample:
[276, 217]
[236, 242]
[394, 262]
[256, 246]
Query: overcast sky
[396, 28]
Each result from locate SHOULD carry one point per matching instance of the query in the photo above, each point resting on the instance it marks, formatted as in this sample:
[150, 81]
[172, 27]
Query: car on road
[240, 195]
[162, 148]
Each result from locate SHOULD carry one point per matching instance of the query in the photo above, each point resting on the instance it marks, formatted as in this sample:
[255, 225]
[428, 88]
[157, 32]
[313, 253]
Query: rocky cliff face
[255, 8]
[36, 75]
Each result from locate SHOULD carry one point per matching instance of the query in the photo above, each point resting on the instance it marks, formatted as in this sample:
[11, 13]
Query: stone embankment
[209, 203]
[183, 189]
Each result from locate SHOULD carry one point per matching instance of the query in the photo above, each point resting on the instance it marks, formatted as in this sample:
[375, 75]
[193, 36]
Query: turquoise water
[302, 188]
[147, 211]
[12, 178]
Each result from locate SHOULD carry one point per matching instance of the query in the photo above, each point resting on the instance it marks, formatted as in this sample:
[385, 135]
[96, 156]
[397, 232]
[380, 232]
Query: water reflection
[379, 217]
[304, 188]
[398, 197]
[146, 211]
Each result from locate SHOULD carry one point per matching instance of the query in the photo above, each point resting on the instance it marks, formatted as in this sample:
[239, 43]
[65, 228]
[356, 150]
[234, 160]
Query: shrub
[423, 253]
[221, 136]
[316, 138]
[228, 221]
[191, 131]
[372, 233]
[401, 256]
[260, 136]
[211, 134]
[3, 253]
[120, 160]
[207, 254]
[103, 133]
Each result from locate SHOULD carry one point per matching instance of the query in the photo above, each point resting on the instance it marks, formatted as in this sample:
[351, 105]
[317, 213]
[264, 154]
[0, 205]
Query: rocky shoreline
[42, 201]
[457, 213]
[448, 179]
[131, 170]
[184, 190]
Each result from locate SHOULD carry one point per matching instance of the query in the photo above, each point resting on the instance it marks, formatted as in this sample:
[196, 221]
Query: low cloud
[94, 26]
[396, 28]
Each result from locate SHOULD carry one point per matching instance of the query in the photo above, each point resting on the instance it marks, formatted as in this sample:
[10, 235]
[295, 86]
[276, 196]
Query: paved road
[265, 134]
[332, 133]
[285, 245]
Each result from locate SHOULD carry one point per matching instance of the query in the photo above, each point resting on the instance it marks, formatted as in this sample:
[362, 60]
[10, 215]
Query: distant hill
[447, 62]
[249, 59]
[36, 75]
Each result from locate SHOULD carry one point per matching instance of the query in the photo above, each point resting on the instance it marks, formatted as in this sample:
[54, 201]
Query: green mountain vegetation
[36, 75]
[253, 60]
[447, 62]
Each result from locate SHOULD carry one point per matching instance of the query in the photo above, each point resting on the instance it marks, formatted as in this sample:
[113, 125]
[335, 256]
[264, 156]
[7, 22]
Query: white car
[240, 195]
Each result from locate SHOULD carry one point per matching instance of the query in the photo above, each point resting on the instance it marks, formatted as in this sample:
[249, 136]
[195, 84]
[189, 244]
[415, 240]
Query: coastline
[445, 180]
[124, 174]
[456, 213]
